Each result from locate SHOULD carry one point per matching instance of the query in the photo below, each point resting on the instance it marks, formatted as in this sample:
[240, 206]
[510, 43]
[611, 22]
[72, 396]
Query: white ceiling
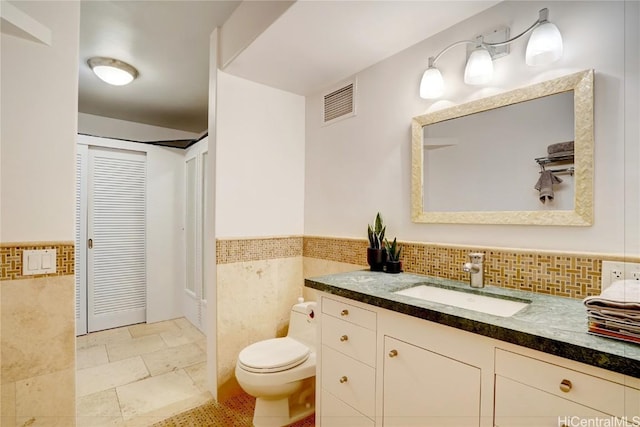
[316, 44]
[313, 45]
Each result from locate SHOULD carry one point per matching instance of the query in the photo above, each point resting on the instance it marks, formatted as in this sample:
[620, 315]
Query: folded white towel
[621, 294]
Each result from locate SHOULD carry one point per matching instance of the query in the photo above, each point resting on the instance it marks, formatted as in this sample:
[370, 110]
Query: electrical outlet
[618, 270]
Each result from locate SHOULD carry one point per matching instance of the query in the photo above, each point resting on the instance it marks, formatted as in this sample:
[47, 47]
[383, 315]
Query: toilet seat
[273, 355]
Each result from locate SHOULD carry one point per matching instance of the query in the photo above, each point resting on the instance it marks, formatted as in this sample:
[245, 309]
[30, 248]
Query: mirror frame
[581, 84]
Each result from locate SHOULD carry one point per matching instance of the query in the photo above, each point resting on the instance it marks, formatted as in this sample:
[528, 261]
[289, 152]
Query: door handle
[90, 243]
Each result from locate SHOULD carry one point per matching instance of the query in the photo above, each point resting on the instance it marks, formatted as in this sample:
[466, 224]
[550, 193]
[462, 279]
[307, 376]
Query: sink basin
[470, 301]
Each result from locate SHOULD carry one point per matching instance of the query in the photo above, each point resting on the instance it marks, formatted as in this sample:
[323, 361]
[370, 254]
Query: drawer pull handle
[344, 312]
[343, 379]
[565, 386]
[344, 338]
[393, 353]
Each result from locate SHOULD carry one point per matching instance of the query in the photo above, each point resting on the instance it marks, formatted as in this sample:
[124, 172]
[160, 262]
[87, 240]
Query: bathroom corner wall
[258, 280]
[259, 185]
[37, 157]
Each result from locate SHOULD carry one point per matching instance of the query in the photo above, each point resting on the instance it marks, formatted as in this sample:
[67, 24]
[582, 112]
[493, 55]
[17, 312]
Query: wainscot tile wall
[254, 249]
[11, 259]
[37, 313]
[554, 273]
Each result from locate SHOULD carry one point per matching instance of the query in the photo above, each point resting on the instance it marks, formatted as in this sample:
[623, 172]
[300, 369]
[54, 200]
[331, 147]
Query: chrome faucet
[476, 268]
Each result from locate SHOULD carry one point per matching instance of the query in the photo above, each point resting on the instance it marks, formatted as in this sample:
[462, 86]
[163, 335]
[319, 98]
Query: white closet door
[117, 277]
[82, 156]
[194, 303]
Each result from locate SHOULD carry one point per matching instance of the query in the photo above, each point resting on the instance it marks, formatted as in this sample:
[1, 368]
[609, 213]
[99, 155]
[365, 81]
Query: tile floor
[140, 374]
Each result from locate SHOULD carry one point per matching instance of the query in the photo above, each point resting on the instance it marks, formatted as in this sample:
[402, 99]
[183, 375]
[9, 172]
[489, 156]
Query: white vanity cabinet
[380, 368]
[424, 388]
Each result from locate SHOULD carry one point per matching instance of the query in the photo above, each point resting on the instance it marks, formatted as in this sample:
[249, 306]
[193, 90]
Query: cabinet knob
[343, 379]
[393, 353]
[344, 312]
[344, 338]
[565, 386]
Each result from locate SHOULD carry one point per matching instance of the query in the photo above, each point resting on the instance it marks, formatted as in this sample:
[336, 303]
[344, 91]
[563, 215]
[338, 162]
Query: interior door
[196, 176]
[116, 238]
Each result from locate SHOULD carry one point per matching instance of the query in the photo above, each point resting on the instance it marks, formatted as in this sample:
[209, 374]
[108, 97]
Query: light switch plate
[39, 261]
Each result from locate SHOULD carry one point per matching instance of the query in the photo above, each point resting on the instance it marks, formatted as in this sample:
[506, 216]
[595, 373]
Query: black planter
[376, 258]
[394, 267]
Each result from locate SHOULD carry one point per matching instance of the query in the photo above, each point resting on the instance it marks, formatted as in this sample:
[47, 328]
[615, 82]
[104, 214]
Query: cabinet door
[423, 388]
[517, 404]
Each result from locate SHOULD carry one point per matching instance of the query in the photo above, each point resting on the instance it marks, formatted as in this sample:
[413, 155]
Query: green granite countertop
[554, 325]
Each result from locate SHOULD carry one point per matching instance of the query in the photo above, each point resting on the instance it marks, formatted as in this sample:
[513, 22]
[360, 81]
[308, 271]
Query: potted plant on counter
[394, 265]
[376, 253]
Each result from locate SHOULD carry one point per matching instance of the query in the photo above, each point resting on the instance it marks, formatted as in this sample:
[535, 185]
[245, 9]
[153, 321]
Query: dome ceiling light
[112, 71]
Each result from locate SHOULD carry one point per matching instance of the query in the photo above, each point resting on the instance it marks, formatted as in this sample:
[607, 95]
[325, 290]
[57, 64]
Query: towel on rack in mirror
[560, 147]
[557, 155]
[545, 185]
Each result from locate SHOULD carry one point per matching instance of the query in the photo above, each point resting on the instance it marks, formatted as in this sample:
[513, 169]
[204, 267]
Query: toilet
[280, 372]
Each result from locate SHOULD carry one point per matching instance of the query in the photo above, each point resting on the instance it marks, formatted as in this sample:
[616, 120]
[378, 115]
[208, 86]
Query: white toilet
[280, 372]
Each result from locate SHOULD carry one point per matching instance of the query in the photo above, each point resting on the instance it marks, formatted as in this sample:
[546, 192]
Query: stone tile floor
[140, 374]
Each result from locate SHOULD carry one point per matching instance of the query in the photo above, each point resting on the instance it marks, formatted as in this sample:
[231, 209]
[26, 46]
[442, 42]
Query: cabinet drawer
[350, 339]
[594, 392]
[350, 313]
[349, 380]
[519, 405]
[336, 413]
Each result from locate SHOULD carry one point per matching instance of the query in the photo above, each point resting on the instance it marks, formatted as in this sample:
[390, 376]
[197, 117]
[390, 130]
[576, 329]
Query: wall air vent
[340, 103]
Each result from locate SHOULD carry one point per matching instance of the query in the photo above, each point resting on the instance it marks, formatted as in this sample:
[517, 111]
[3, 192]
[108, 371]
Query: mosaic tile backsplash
[568, 275]
[11, 259]
[242, 250]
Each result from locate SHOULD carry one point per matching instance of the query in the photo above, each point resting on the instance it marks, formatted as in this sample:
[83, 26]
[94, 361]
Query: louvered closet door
[117, 277]
[82, 157]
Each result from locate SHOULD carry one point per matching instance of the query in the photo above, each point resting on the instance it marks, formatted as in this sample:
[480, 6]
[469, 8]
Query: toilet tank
[302, 323]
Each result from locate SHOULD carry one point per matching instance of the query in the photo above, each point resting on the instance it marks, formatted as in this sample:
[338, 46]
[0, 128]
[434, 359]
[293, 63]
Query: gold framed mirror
[488, 175]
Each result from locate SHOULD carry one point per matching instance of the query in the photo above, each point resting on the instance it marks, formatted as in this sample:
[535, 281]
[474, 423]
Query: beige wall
[39, 106]
[254, 300]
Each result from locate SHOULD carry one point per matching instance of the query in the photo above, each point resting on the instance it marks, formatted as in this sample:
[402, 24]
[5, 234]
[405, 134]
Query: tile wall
[37, 319]
[571, 275]
[258, 280]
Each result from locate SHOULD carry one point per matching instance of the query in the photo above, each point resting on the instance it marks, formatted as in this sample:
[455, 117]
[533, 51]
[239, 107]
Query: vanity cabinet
[380, 368]
[347, 364]
[424, 388]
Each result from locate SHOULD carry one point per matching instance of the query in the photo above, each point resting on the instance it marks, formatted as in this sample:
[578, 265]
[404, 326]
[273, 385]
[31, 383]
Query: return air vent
[340, 103]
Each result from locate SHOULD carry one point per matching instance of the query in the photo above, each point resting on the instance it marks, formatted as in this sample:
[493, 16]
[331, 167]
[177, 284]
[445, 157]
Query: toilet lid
[274, 355]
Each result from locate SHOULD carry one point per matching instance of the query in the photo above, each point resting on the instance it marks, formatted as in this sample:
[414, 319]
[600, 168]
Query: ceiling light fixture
[112, 71]
[544, 47]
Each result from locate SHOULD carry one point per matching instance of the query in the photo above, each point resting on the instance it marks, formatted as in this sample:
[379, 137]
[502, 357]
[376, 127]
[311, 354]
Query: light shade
[431, 85]
[479, 69]
[545, 45]
[112, 71]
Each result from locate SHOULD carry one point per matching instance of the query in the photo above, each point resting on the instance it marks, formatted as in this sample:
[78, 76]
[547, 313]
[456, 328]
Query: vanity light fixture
[112, 71]
[544, 47]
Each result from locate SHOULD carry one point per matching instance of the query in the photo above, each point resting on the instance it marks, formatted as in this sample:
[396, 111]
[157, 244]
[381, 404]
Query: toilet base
[285, 411]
